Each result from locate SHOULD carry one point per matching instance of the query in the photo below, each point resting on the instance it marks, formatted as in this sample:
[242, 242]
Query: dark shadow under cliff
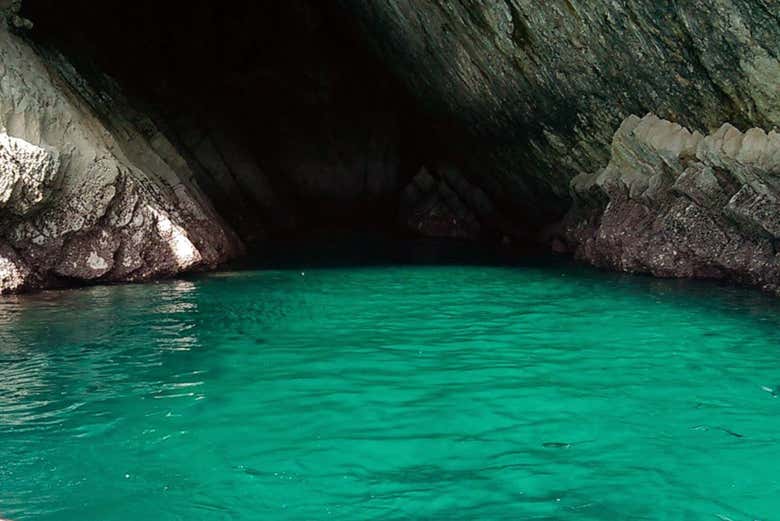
[293, 128]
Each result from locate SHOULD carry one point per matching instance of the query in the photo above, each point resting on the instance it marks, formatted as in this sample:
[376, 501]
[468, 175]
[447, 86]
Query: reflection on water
[407, 392]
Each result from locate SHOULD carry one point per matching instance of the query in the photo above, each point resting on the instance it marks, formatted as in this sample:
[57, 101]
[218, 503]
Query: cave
[296, 129]
[389, 259]
[618, 136]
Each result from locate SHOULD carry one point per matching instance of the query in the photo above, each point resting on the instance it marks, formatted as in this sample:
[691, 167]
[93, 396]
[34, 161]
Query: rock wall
[90, 190]
[440, 202]
[676, 203]
[542, 86]
[297, 126]
[288, 125]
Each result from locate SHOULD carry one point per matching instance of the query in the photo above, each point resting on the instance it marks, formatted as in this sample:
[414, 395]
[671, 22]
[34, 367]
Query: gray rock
[541, 87]
[532, 92]
[9, 15]
[440, 203]
[29, 175]
[675, 203]
[89, 188]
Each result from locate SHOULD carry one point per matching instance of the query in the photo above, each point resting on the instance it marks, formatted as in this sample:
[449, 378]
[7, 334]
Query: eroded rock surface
[9, 14]
[295, 127]
[676, 203]
[90, 190]
[29, 176]
[288, 125]
[542, 86]
[441, 203]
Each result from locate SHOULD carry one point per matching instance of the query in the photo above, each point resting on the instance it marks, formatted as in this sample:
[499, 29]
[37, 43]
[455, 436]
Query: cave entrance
[293, 128]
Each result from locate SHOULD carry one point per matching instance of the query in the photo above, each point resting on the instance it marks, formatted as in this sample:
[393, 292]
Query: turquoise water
[404, 392]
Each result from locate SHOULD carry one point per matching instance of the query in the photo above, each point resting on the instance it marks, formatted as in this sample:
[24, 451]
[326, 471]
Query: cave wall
[657, 120]
[542, 87]
[177, 123]
[677, 203]
[90, 189]
[289, 126]
[462, 118]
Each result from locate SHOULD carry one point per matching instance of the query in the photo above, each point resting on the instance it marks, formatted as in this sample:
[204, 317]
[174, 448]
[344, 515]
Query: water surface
[391, 392]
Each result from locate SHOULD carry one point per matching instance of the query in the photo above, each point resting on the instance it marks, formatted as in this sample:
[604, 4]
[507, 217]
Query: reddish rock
[675, 203]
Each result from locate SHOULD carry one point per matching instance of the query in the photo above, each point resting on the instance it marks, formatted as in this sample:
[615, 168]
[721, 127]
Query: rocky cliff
[542, 87]
[462, 118]
[676, 203]
[288, 125]
[90, 190]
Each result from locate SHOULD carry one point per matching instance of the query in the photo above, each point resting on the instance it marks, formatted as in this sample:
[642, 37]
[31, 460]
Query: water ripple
[391, 393]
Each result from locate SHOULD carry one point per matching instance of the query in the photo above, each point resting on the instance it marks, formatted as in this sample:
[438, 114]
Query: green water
[405, 392]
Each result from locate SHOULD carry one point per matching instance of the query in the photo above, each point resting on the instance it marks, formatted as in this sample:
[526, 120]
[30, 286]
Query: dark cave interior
[335, 142]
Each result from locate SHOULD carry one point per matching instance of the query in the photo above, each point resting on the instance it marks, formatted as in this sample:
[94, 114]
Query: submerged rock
[89, 188]
[676, 203]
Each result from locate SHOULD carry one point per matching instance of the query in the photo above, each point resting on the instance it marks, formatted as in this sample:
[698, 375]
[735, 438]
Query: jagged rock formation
[30, 175]
[287, 124]
[297, 127]
[9, 14]
[90, 190]
[541, 87]
[675, 203]
[441, 203]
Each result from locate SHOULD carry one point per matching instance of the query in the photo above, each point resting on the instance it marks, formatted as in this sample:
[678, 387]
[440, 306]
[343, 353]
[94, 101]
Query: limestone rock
[9, 14]
[90, 189]
[28, 176]
[542, 86]
[527, 96]
[676, 203]
[288, 126]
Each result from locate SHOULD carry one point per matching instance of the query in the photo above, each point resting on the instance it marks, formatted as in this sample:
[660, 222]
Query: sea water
[528, 390]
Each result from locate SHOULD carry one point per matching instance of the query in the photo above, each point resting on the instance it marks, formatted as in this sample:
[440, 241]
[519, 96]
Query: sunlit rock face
[676, 203]
[90, 190]
[287, 124]
[288, 132]
[543, 86]
[465, 119]
[30, 175]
